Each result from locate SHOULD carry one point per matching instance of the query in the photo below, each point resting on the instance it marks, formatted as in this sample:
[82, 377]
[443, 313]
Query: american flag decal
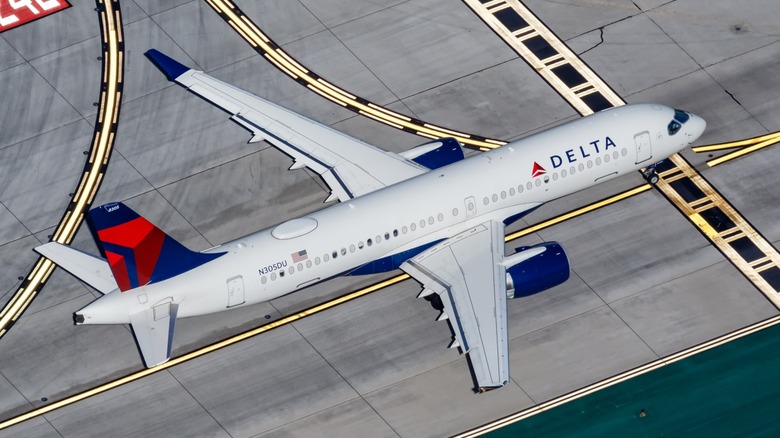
[299, 256]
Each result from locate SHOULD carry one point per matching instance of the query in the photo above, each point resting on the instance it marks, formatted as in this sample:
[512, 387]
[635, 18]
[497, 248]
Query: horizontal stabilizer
[153, 330]
[90, 269]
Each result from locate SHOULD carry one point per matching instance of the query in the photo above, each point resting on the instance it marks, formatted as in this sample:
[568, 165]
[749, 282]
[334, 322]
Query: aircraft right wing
[350, 167]
[467, 273]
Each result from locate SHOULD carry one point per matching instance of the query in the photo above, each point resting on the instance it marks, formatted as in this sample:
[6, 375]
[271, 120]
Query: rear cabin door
[643, 150]
[235, 287]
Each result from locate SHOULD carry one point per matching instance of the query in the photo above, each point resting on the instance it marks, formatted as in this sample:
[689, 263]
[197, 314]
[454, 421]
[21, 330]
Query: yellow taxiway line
[95, 167]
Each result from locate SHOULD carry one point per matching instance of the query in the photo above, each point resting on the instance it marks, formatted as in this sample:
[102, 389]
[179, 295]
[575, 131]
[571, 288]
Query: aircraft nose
[697, 125]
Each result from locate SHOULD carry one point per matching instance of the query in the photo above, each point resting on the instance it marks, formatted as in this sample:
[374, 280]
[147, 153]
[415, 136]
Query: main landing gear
[650, 174]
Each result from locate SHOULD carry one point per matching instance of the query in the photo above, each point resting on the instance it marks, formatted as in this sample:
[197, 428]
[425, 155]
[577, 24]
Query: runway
[377, 365]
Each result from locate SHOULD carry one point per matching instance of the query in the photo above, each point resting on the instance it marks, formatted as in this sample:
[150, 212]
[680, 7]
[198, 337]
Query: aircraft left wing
[350, 167]
[467, 273]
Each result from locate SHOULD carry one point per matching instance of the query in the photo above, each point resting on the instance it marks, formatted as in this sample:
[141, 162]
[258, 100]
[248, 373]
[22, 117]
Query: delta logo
[537, 170]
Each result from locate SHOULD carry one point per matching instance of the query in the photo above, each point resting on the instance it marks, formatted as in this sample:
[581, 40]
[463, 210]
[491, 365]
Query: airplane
[429, 211]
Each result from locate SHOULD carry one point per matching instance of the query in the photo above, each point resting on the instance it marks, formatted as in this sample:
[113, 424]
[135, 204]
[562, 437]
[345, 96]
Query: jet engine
[533, 269]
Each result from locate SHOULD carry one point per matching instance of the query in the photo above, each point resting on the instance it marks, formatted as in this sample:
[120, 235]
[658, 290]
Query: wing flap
[92, 270]
[349, 166]
[467, 274]
[153, 330]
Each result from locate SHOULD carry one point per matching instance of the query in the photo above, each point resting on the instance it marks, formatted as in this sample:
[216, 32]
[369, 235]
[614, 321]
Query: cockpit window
[680, 117]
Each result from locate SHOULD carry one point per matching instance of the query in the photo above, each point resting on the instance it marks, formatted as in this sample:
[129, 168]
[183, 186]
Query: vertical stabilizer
[138, 252]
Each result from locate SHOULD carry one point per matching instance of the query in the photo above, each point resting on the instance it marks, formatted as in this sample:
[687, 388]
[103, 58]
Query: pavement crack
[601, 41]
[732, 97]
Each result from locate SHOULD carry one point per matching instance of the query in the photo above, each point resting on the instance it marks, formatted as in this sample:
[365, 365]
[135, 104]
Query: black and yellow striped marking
[680, 183]
[97, 162]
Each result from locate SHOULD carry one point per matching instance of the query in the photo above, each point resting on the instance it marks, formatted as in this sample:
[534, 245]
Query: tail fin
[138, 252]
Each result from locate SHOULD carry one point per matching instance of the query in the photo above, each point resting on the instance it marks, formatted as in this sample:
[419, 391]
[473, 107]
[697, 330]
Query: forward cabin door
[235, 287]
[643, 150]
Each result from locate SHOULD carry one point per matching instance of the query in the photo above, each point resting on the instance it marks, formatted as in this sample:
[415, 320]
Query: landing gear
[651, 175]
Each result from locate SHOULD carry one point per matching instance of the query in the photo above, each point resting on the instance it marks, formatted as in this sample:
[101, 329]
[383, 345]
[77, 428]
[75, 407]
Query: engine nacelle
[533, 269]
[436, 154]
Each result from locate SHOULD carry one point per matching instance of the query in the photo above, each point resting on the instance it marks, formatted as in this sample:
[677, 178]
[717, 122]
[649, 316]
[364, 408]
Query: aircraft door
[471, 206]
[644, 151]
[235, 287]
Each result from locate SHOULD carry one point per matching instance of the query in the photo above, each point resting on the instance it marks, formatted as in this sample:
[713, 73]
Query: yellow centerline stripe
[200, 352]
[89, 183]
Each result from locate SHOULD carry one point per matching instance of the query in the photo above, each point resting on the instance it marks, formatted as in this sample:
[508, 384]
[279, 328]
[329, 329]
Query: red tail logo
[538, 170]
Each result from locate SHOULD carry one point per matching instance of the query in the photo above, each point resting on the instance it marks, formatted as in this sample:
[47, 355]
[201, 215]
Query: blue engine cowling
[538, 272]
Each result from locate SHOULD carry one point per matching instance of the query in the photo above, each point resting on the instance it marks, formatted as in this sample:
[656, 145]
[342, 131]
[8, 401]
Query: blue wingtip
[169, 66]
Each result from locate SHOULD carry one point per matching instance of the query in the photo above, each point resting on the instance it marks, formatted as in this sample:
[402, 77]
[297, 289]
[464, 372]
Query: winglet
[169, 66]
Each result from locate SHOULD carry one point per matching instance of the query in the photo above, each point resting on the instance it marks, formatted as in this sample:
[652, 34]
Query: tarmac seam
[170, 373]
[292, 324]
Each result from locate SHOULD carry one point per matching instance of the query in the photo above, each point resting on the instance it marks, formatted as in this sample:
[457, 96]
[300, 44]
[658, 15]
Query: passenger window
[615, 155]
[273, 276]
[351, 248]
[455, 212]
[395, 233]
[440, 217]
[317, 261]
[581, 167]
[430, 220]
[422, 222]
[606, 158]
[624, 152]
[343, 251]
[404, 229]
[486, 201]
[334, 254]
[281, 274]
[503, 194]
[528, 185]
[326, 257]
[590, 164]
[292, 270]
[263, 280]
[495, 197]
[598, 161]
[512, 191]
[300, 267]
[520, 188]
[387, 236]
[555, 176]
[308, 263]
[413, 226]
[369, 242]
[378, 239]
[563, 173]
[538, 182]
[360, 245]
[572, 170]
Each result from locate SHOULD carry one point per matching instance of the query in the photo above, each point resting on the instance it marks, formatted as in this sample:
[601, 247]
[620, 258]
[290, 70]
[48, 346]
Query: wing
[350, 167]
[153, 330]
[467, 274]
[92, 270]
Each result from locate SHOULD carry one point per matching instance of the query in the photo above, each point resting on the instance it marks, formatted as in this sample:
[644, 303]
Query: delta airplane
[429, 211]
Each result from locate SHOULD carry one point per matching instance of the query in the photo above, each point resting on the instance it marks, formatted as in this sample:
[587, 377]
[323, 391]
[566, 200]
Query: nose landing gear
[651, 174]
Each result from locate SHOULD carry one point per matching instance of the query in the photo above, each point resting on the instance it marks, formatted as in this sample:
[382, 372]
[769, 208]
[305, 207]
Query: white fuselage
[443, 202]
